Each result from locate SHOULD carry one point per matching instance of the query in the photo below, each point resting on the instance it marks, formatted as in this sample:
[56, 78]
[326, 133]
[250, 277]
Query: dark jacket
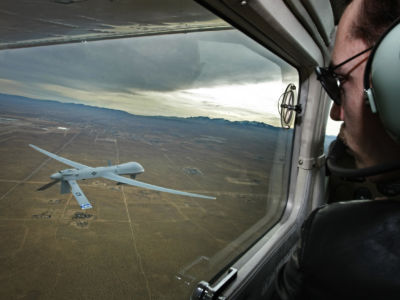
[348, 250]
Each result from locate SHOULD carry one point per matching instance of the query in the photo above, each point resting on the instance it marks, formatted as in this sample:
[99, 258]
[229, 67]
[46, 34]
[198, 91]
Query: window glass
[198, 111]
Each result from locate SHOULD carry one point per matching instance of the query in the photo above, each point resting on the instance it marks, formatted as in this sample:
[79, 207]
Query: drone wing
[59, 158]
[79, 195]
[125, 180]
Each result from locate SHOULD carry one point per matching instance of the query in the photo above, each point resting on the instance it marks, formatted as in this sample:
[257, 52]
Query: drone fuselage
[130, 168]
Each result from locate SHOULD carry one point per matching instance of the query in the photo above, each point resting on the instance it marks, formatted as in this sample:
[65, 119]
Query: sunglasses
[332, 81]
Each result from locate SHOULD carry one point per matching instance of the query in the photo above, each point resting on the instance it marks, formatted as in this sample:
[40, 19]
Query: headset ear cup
[384, 76]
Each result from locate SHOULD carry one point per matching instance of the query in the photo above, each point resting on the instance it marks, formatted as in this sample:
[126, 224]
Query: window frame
[262, 20]
[293, 173]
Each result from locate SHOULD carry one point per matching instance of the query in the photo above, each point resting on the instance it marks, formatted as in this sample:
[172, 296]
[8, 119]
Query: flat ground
[134, 243]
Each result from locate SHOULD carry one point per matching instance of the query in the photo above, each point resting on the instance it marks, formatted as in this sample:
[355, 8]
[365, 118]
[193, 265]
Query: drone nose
[56, 176]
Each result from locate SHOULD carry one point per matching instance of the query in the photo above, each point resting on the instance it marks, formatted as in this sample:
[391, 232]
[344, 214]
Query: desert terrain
[134, 243]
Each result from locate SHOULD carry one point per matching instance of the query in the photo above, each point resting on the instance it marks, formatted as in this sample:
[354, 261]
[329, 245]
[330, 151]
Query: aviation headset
[382, 80]
[382, 92]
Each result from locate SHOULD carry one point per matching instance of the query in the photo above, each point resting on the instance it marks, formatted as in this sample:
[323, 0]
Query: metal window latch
[286, 106]
[311, 163]
[204, 291]
[297, 108]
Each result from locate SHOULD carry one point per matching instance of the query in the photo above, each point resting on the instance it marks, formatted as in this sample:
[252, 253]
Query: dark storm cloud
[158, 63]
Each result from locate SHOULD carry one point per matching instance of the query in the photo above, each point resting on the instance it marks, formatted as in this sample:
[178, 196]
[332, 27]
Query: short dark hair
[375, 16]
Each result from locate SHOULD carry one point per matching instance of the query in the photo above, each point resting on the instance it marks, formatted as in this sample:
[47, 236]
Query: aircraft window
[197, 112]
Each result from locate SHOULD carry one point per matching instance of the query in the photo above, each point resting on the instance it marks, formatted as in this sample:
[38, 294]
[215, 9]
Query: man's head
[373, 18]
[360, 27]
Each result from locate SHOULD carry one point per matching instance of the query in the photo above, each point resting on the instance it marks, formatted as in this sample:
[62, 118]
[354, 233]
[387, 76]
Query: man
[362, 130]
[352, 250]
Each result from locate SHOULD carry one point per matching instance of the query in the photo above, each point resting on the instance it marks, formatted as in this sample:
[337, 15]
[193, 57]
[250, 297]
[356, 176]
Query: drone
[69, 177]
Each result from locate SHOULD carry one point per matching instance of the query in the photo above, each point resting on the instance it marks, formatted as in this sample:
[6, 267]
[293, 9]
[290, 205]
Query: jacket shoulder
[353, 246]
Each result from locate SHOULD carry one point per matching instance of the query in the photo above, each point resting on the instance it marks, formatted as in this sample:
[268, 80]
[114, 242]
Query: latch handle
[204, 291]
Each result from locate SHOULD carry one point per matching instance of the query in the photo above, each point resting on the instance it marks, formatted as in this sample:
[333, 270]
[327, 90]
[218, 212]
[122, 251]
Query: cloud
[165, 62]
[214, 73]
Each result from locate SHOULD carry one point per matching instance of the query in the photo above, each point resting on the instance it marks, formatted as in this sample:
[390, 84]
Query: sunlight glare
[254, 98]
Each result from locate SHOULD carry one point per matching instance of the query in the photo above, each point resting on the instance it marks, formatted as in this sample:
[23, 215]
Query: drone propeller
[50, 184]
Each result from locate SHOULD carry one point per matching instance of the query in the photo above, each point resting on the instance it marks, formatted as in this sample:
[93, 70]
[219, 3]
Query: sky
[218, 74]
